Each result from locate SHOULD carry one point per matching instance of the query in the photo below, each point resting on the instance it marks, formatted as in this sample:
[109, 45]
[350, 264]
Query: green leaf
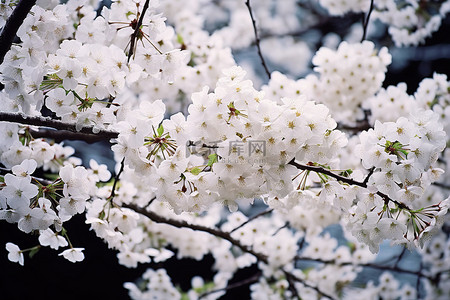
[180, 39]
[212, 158]
[33, 251]
[160, 130]
[184, 296]
[196, 170]
[346, 173]
[352, 246]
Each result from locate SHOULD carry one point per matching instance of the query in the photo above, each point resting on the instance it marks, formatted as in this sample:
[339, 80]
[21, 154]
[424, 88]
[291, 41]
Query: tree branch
[12, 25]
[61, 135]
[257, 41]
[247, 281]
[327, 172]
[84, 134]
[366, 21]
[264, 212]
[292, 277]
[116, 179]
[360, 126]
[135, 34]
[366, 180]
[345, 180]
[217, 233]
[183, 224]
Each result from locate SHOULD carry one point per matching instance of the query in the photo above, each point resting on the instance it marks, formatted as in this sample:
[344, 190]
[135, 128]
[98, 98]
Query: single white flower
[15, 254]
[73, 254]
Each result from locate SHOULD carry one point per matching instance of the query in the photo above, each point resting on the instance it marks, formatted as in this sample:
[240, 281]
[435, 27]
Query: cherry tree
[251, 161]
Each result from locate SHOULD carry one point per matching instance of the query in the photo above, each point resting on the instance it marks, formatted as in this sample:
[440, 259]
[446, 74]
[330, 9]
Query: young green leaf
[212, 158]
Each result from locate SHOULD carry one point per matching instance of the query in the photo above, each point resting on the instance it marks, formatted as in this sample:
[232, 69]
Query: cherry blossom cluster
[388, 287]
[24, 66]
[409, 22]
[394, 102]
[158, 287]
[253, 140]
[401, 156]
[436, 255]
[275, 17]
[37, 207]
[348, 76]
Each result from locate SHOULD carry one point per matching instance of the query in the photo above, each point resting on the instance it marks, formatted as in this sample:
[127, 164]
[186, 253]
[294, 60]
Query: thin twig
[279, 229]
[217, 233]
[418, 281]
[265, 212]
[12, 25]
[116, 179]
[48, 122]
[247, 281]
[366, 21]
[134, 35]
[257, 41]
[399, 258]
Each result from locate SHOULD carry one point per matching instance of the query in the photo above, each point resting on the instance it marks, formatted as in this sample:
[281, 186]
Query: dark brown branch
[61, 135]
[56, 124]
[366, 180]
[286, 225]
[257, 41]
[399, 258]
[345, 180]
[292, 277]
[116, 179]
[12, 25]
[183, 224]
[366, 21]
[265, 212]
[360, 126]
[135, 34]
[418, 281]
[292, 286]
[217, 233]
[247, 281]
[328, 173]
